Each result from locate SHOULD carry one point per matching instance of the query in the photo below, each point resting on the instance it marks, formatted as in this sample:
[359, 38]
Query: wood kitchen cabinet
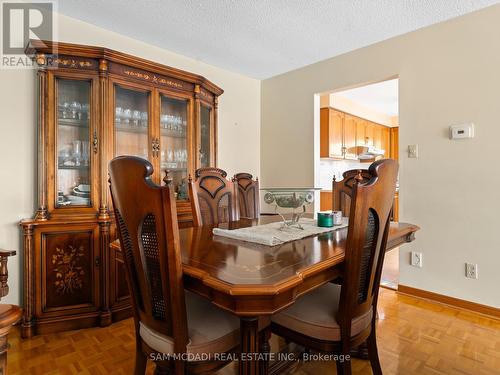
[394, 143]
[360, 131]
[95, 104]
[340, 132]
[369, 133]
[350, 129]
[337, 134]
[395, 207]
[331, 130]
[377, 136]
[325, 200]
[386, 141]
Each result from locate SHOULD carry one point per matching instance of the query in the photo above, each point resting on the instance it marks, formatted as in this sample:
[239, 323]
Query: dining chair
[214, 199]
[342, 190]
[248, 193]
[334, 318]
[168, 319]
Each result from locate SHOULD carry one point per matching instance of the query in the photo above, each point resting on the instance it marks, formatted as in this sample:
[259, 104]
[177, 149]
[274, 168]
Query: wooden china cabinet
[95, 104]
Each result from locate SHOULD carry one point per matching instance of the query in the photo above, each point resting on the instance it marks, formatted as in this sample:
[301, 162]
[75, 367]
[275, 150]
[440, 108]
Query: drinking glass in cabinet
[205, 125]
[173, 130]
[73, 140]
[131, 122]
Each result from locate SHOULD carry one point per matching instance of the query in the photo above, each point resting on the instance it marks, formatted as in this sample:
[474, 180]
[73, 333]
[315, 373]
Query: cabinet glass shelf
[172, 134]
[130, 129]
[73, 122]
[74, 167]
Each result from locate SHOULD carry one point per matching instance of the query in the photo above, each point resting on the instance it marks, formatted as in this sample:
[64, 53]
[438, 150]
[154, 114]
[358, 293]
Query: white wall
[449, 73]
[239, 128]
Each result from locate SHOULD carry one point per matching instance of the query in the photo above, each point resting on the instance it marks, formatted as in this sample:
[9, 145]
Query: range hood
[366, 153]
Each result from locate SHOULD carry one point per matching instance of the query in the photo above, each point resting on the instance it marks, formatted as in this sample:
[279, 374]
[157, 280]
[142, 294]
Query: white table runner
[271, 234]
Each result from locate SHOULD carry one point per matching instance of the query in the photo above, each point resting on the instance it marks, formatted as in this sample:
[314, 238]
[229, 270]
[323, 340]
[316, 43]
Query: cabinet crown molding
[36, 47]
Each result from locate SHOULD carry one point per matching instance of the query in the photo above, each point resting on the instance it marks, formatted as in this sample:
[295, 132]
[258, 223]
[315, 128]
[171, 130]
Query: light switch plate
[413, 151]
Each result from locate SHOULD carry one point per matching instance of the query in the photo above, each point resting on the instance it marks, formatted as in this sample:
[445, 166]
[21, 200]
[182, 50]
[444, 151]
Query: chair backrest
[342, 190]
[4, 273]
[248, 194]
[214, 199]
[371, 205]
[149, 238]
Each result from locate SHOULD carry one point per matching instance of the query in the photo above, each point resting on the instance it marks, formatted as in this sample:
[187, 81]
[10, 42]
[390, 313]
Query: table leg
[265, 349]
[249, 346]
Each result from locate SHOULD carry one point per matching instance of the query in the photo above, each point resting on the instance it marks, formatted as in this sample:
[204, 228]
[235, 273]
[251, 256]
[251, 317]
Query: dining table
[252, 280]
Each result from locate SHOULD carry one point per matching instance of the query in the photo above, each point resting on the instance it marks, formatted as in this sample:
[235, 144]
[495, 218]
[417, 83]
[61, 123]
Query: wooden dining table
[253, 281]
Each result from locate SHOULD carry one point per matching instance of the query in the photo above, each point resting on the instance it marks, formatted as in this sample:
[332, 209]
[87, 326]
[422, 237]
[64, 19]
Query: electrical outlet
[413, 151]
[416, 259]
[471, 271]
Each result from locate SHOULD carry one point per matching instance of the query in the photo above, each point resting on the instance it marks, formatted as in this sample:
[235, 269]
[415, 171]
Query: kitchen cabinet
[386, 141]
[394, 143]
[395, 207]
[331, 133]
[341, 132]
[325, 200]
[369, 133]
[350, 129]
[360, 131]
[377, 136]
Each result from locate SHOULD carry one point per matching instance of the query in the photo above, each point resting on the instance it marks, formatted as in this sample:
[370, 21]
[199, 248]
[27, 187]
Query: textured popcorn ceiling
[263, 38]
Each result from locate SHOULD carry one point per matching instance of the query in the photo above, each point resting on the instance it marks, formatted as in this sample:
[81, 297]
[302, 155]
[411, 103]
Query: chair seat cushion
[210, 329]
[9, 315]
[314, 314]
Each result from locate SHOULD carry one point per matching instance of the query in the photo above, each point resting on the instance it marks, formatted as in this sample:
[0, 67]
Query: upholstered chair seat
[314, 315]
[210, 330]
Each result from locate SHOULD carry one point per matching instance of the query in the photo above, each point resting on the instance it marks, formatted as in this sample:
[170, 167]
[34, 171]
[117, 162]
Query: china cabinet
[95, 104]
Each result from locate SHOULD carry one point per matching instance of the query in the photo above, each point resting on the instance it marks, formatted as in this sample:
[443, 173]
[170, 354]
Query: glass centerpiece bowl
[292, 199]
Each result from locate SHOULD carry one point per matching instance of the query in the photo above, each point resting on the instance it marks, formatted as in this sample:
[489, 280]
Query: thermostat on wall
[462, 131]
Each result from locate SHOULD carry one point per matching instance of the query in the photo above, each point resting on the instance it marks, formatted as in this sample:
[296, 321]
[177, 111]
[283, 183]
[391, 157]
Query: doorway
[356, 127]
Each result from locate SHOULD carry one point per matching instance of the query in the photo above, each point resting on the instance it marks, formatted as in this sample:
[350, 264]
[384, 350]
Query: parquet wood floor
[415, 337]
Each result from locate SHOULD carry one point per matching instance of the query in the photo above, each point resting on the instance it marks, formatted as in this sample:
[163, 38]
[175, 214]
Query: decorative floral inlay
[153, 78]
[68, 271]
[72, 63]
[205, 94]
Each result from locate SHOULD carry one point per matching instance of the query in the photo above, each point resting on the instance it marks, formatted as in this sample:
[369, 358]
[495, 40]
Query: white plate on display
[84, 188]
[77, 200]
[80, 193]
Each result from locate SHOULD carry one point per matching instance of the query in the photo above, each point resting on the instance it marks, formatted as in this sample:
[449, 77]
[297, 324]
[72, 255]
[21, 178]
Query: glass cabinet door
[131, 122]
[205, 136]
[174, 152]
[73, 143]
